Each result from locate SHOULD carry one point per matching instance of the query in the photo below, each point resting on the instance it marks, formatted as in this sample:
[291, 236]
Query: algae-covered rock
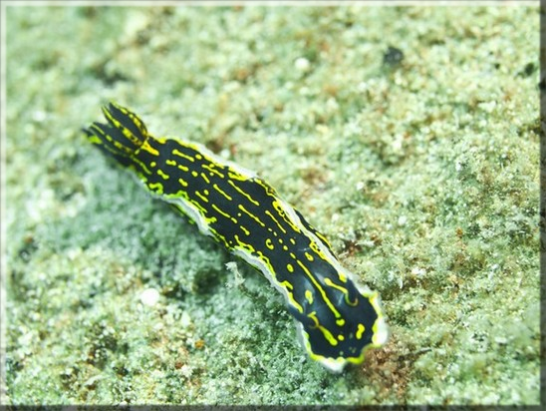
[407, 135]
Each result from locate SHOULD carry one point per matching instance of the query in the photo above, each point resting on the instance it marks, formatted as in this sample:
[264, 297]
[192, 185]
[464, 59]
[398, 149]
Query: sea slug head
[122, 136]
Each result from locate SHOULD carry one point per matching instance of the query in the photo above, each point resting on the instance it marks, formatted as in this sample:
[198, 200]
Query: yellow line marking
[201, 196]
[220, 211]
[242, 208]
[320, 289]
[243, 193]
[146, 170]
[275, 220]
[199, 206]
[180, 154]
[163, 175]
[288, 286]
[157, 186]
[282, 213]
[327, 334]
[212, 170]
[215, 186]
[147, 147]
[237, 176]
[329, 283]
[244, 245]
[360, 330]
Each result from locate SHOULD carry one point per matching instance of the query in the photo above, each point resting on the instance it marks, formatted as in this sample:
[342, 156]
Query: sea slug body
[338, 320]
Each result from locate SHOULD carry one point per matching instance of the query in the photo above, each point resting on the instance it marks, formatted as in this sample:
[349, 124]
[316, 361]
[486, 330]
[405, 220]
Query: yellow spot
[373, 300]
[183, 182]
[245, 230]
[183, 168]
[309, 296]
[340, 321]
[194, 173]
[360, 330]
[180, 154]
[309, 256]
[94, 139]
[169, 162]
[293, 255]
[153, 163]
[162, 174]
[285, 248]
[290, 268]
[293, 241]
[269, 244]
[198, 156]
[340, 337]
[205, 178]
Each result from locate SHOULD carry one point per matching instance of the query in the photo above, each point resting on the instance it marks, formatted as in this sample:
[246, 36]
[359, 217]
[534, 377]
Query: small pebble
[149, 297]
[302, 64]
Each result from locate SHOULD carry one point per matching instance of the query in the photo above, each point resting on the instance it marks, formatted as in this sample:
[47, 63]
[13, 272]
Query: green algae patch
[407, 135]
